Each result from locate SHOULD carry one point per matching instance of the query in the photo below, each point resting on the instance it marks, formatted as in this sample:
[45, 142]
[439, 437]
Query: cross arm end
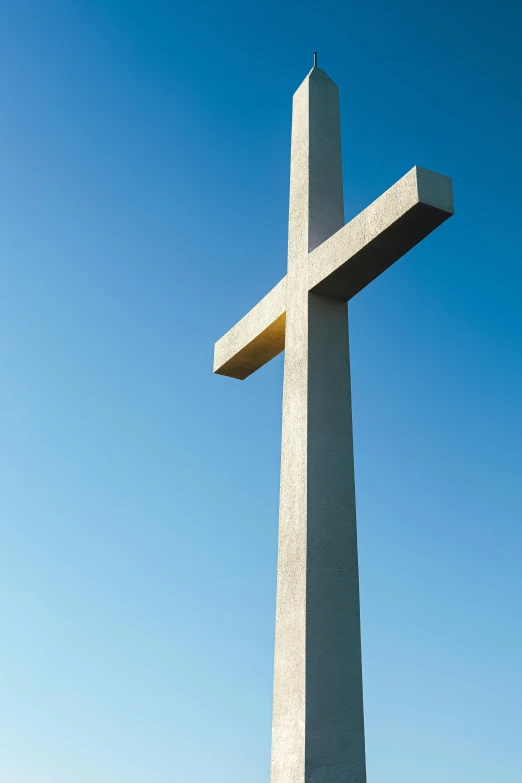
[255, 339]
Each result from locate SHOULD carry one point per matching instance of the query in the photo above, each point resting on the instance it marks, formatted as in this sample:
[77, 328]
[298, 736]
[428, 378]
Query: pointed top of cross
[315, 59]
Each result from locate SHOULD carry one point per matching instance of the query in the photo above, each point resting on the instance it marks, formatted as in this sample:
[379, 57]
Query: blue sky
[144, 159]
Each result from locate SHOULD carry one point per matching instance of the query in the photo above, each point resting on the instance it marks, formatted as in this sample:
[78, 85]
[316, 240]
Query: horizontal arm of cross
[383, 232]
[343, 265]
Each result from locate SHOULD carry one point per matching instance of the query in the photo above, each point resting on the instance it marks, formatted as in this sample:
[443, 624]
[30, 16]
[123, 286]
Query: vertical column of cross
[318, 731]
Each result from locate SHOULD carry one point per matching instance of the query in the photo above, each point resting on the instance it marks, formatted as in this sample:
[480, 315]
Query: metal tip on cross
[315, 59]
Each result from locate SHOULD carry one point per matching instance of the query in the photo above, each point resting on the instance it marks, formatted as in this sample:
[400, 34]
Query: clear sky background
[144, 167]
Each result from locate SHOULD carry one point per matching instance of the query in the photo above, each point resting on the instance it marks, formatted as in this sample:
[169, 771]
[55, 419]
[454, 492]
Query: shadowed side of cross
[342, 265]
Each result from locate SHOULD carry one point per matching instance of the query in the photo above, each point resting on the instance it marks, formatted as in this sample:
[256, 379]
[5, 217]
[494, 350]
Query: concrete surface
[342, 265]
[318, 724]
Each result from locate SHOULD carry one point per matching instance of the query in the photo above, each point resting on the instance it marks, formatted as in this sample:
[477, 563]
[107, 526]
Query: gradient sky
[144, 162]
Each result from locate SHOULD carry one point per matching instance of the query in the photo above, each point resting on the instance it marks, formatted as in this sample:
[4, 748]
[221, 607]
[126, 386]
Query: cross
[317, 720]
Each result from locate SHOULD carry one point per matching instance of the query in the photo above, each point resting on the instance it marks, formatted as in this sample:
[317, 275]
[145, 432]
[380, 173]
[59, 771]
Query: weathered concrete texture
[318, 725]
[317, 730]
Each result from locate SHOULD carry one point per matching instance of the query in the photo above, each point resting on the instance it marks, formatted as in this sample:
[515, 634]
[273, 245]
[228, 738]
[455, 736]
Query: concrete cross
[317, 724]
